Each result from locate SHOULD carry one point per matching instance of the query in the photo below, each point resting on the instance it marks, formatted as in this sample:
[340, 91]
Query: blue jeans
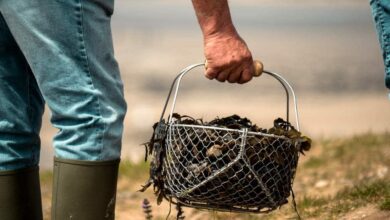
[59, 52]
[381, 14]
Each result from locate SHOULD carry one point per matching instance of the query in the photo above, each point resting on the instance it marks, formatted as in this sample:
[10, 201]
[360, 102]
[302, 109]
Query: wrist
[212, 31]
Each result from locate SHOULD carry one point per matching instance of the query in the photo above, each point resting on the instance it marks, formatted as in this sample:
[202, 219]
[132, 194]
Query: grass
[366, 192]
[354, 156]
[354, 160]
[46, 177]
[377, 192]
[310, 202]
[135, 171]
[314, 162]
[385, 205]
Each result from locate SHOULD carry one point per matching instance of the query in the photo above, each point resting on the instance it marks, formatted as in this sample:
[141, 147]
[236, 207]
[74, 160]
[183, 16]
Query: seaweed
[200, 160]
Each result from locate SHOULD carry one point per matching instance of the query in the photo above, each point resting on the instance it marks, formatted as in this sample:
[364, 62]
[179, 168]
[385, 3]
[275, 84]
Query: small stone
[321, 184]
[382, 171]
[197, 169]
[214, 151]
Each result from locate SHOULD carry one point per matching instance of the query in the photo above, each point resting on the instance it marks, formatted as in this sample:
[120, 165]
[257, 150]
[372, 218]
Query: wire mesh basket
[224, 169]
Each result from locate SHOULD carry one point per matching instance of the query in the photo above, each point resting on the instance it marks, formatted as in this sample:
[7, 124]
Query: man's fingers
[235, 75]
[222, 76]
[246, 76]
[211, 73]
[240, 72]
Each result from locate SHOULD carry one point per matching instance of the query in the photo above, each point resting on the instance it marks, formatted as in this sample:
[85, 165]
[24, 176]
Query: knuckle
[233, 61]
[211, 74]
[221, 77]
[220, 80]
[246, 77]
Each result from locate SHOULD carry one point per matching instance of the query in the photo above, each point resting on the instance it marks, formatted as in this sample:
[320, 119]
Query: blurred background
[328, 51]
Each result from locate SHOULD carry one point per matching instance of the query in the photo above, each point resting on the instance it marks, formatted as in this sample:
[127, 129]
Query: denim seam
[84, 53]
[384, 37]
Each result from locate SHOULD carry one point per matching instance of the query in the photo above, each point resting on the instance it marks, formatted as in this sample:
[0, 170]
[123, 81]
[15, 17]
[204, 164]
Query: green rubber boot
[20, 194]
[84, 190]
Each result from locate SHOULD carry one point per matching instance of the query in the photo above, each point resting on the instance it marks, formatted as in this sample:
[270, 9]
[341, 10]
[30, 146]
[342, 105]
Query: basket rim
[244, 130]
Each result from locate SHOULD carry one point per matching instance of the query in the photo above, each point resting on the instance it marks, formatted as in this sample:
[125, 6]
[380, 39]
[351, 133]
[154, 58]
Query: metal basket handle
[287, 87]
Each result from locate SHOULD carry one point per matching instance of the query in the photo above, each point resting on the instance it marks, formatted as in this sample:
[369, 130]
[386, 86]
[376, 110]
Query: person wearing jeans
[52, 51]
[381, 14]
[60, 52]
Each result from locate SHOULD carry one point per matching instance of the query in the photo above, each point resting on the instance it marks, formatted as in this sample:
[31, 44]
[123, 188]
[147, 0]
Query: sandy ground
[324, 181]
[338, 170]
[368, 213]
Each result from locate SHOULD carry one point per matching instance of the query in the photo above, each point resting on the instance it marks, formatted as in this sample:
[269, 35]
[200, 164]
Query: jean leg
[68, 45]
[381, 13]
[21, 107]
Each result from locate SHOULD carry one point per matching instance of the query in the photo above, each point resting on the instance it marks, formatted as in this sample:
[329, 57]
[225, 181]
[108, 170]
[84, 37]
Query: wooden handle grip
[257, 65]
[259, 68]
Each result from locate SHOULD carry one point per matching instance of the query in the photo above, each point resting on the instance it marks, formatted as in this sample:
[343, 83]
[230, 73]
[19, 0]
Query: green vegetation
[366, 193]
[356, 169]
[309, 202]
[139, 171]
[46, 177]
[314, 162]
[350, 198]
[385, 205]
[356, 160]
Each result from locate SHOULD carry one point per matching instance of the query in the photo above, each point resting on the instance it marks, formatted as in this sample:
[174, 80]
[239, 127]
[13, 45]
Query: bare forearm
[214, 17]
[227, 55]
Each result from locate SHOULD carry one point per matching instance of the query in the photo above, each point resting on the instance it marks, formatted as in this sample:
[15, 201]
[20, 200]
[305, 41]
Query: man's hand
[228, 58]
[227, 55]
